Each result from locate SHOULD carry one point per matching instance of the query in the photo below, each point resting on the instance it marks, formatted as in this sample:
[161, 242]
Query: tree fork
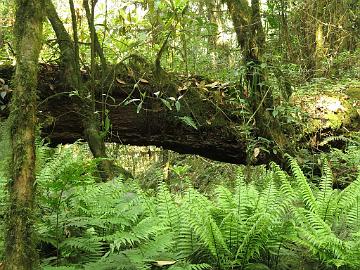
[70, 64]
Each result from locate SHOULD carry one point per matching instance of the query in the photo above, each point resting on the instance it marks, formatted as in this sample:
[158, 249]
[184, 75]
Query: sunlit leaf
[256, 152]
[131, 101]
[188, 121]
[212, 85]
[139, 107]
[164, 263]
[143, 80]
[166, 103]
[177, 105]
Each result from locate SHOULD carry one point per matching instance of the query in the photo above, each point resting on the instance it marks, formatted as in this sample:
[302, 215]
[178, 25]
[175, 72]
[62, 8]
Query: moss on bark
[20, 246]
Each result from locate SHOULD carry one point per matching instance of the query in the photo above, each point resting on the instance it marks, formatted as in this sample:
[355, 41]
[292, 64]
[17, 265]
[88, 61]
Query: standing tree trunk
[251, 38]
[70, 64]
[20, 247]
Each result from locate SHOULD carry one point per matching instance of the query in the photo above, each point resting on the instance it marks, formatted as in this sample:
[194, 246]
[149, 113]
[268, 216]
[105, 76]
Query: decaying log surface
[217, 133]
[155, 124]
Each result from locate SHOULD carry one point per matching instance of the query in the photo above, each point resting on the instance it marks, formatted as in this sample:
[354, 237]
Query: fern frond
[167, 210]
[187, 241]
[318, 236]
[242, 196]
[326, 179]
[160, 244]
[185, 265]
[92, 246]
[206, 228]
[112, 261]
[353, 215]
[200, 266]
[304, 188]
[208, 231]
[285, 186]
[334, 138]
[232, 228]
[268, 197]
[48, 267]
[224, 199]
[348, 196]
[256, 235]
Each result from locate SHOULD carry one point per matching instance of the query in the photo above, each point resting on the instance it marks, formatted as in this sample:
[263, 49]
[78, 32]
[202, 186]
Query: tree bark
[20, 246]
[250, 36]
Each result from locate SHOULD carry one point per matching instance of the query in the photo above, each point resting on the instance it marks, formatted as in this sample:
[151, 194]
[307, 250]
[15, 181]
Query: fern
[286, 191]
[304, 188]
[97, 220]
[348, 196]
[90, 248]
[239, 226]
[118, 226]
[318, 222]
[167, 209]
[327, 197]
[184, 265]
[256, 234]
[186, 239]
[335, 138]
[326, 179]
[353, 215]
[47, 267]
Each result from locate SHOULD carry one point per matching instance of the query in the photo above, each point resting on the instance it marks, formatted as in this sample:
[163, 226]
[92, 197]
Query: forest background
[245, 82]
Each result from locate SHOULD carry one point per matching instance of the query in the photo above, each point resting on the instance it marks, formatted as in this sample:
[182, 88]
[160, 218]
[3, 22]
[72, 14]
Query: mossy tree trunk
[251, 39]
[20, 247]
[86, 102]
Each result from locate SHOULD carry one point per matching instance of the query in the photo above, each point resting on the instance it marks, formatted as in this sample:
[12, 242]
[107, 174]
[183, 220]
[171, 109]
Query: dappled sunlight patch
[328, 107]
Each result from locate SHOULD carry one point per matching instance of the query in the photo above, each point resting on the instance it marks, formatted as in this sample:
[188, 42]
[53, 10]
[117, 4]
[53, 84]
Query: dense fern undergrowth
[285, 222]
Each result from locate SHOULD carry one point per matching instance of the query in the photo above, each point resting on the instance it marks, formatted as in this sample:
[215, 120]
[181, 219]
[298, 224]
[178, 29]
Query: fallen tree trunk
[213, 134]
[147, 128]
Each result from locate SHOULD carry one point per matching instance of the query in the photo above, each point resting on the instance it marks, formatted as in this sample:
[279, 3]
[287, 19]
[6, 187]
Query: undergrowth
[283, 223]
[272, 221]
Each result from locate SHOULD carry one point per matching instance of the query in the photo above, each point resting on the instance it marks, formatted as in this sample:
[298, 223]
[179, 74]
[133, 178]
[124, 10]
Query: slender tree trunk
[319, 49]
[284, 31]
[20, 247]
[97, 46]
[212, 32]
[71, 71]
